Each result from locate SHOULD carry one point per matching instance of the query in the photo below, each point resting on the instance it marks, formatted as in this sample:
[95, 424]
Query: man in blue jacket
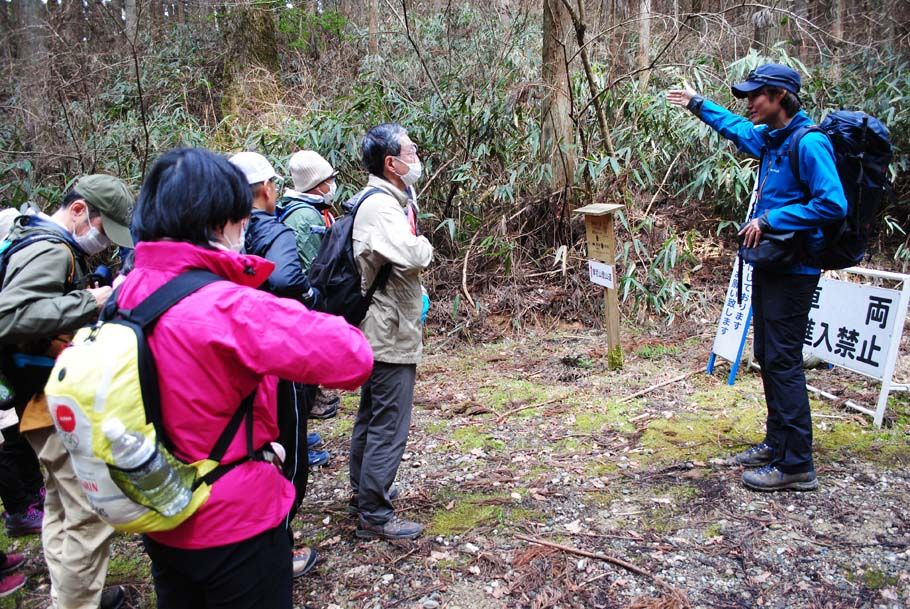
[781, 294]
[267, 237]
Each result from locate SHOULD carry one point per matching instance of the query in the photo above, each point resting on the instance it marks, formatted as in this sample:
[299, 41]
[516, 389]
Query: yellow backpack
[109, 372]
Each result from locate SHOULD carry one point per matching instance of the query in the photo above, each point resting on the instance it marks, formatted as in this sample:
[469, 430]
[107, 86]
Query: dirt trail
[530, 438]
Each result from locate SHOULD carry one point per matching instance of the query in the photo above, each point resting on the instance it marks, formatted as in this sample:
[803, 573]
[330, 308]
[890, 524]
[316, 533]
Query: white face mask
[229, 245]
[415, 170]
[328, 197]
[93, 242]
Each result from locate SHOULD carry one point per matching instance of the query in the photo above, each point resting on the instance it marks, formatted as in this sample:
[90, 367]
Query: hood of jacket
[175, 257]
[292, 197]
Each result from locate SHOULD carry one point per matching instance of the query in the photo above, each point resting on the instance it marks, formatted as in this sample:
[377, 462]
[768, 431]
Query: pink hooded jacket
[212, 349]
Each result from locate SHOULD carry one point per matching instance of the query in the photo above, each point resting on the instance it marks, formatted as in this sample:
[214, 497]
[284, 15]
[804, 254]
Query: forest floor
[530, 438]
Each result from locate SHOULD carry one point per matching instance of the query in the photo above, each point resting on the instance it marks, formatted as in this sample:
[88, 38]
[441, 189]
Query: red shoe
[11, 583]
[13, 562]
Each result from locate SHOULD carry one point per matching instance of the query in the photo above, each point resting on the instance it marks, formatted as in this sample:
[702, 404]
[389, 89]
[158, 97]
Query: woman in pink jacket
[212, 349]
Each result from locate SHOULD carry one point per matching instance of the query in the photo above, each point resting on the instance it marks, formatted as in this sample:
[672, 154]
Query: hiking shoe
[769, 478]
[317, 457]
[303, 561]
[756, 456]
[313, 440]
[12, 562]
[325, 406]
[24, 523]
[112, 598]
[11, 583]
[352, 502]
[396, 528]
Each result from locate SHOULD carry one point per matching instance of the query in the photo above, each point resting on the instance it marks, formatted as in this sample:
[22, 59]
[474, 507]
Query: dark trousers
[251, 574]
[294, 402]
[780, 309]
[20, 474]
[379, 437]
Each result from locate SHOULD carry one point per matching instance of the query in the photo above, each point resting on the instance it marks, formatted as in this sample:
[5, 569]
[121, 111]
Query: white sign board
[601, 274]
[735, 316]
[852, 325]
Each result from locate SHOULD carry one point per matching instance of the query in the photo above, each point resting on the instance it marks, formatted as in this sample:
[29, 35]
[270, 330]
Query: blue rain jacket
[781, 198]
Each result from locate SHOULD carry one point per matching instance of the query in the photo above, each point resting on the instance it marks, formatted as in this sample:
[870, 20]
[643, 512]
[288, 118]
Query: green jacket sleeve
[33, 302]
[308, 242]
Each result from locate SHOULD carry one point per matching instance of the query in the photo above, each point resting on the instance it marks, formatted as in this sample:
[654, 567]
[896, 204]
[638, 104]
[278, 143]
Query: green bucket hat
[111, 197]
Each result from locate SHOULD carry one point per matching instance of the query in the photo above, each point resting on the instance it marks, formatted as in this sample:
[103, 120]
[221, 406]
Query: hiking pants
[780, 309]
[251, 574]
[379, 437]
[76, 541]
[294, 402]
[20, 475]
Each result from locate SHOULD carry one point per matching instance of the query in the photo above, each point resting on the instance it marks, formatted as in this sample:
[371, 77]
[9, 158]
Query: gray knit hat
[309, 169]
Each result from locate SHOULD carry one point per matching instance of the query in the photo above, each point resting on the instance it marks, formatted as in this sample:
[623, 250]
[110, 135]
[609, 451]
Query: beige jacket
[381, 234]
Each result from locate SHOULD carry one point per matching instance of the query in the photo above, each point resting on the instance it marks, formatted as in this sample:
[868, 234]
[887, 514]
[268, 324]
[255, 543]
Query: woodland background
[523, 111]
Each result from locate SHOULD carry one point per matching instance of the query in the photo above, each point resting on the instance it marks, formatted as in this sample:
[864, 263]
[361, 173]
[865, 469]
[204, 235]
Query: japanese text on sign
[600, 273]
[734, 319]
[852, 325]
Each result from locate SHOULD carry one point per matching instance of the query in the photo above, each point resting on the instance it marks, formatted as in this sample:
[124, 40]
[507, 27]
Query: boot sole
[808, 485]
[361, 534]
[325, 415]
[12, 590]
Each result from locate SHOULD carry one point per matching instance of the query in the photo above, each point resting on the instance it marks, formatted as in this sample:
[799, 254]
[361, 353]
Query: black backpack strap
[793, 152]
[382, 277]
[293, 207]
[27, 240]
[172, 292]
[243, 414]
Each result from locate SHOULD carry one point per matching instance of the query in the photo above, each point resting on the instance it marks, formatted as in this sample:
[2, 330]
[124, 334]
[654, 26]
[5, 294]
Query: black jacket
[272, 240]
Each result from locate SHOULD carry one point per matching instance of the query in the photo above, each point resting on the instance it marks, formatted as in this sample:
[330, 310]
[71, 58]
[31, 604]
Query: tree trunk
[132, 19]
[837, 31]
[180, 11]
[801, 9]
[249, 39]
[644, 42]
[557, 141]
[32, 62]
[374, 27]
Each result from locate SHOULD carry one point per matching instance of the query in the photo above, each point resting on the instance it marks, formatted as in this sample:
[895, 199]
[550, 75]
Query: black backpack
[335, 273]
[862, 153]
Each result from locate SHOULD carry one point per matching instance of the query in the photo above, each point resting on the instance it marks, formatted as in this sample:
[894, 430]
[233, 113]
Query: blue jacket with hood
[781, 199]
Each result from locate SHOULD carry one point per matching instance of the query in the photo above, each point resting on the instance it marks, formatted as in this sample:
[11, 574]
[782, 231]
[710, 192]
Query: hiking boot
[303, 561]
[756, 456]
[317, 457]
[11, 583]
[313, 440]
[112, 598]
[395, 528]
[12, 562]
[769, 478]
[352, 502]
[24, 523]
[325, 406]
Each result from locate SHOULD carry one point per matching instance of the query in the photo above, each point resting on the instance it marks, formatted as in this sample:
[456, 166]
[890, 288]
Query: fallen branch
[464, 272]
[509, 413]
[610, 559]
[629, 398]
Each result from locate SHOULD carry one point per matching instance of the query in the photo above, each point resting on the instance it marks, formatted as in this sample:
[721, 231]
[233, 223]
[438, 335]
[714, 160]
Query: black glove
[694, 105]
[312, 298]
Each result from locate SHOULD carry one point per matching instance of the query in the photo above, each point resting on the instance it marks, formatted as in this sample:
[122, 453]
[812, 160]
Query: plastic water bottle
[147, 469]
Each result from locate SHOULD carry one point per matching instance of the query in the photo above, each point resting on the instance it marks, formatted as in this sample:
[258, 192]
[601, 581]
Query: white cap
[113, 428]
[309, 170]
[254, 166]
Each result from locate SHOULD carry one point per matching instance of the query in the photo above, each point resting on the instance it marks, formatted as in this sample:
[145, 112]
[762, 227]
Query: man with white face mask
[385, 235]
[307, 210]
[44, 298]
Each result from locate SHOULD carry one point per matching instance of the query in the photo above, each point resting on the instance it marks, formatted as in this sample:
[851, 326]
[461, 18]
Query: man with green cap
[47, 293]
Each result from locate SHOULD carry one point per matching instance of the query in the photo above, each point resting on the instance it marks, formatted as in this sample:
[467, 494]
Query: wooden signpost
[601, 269]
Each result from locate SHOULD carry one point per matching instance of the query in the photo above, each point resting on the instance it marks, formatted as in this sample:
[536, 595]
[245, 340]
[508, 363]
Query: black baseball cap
[768, 75]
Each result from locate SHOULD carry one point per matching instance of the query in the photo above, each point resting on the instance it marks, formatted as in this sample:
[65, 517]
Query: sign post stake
[601, 242]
